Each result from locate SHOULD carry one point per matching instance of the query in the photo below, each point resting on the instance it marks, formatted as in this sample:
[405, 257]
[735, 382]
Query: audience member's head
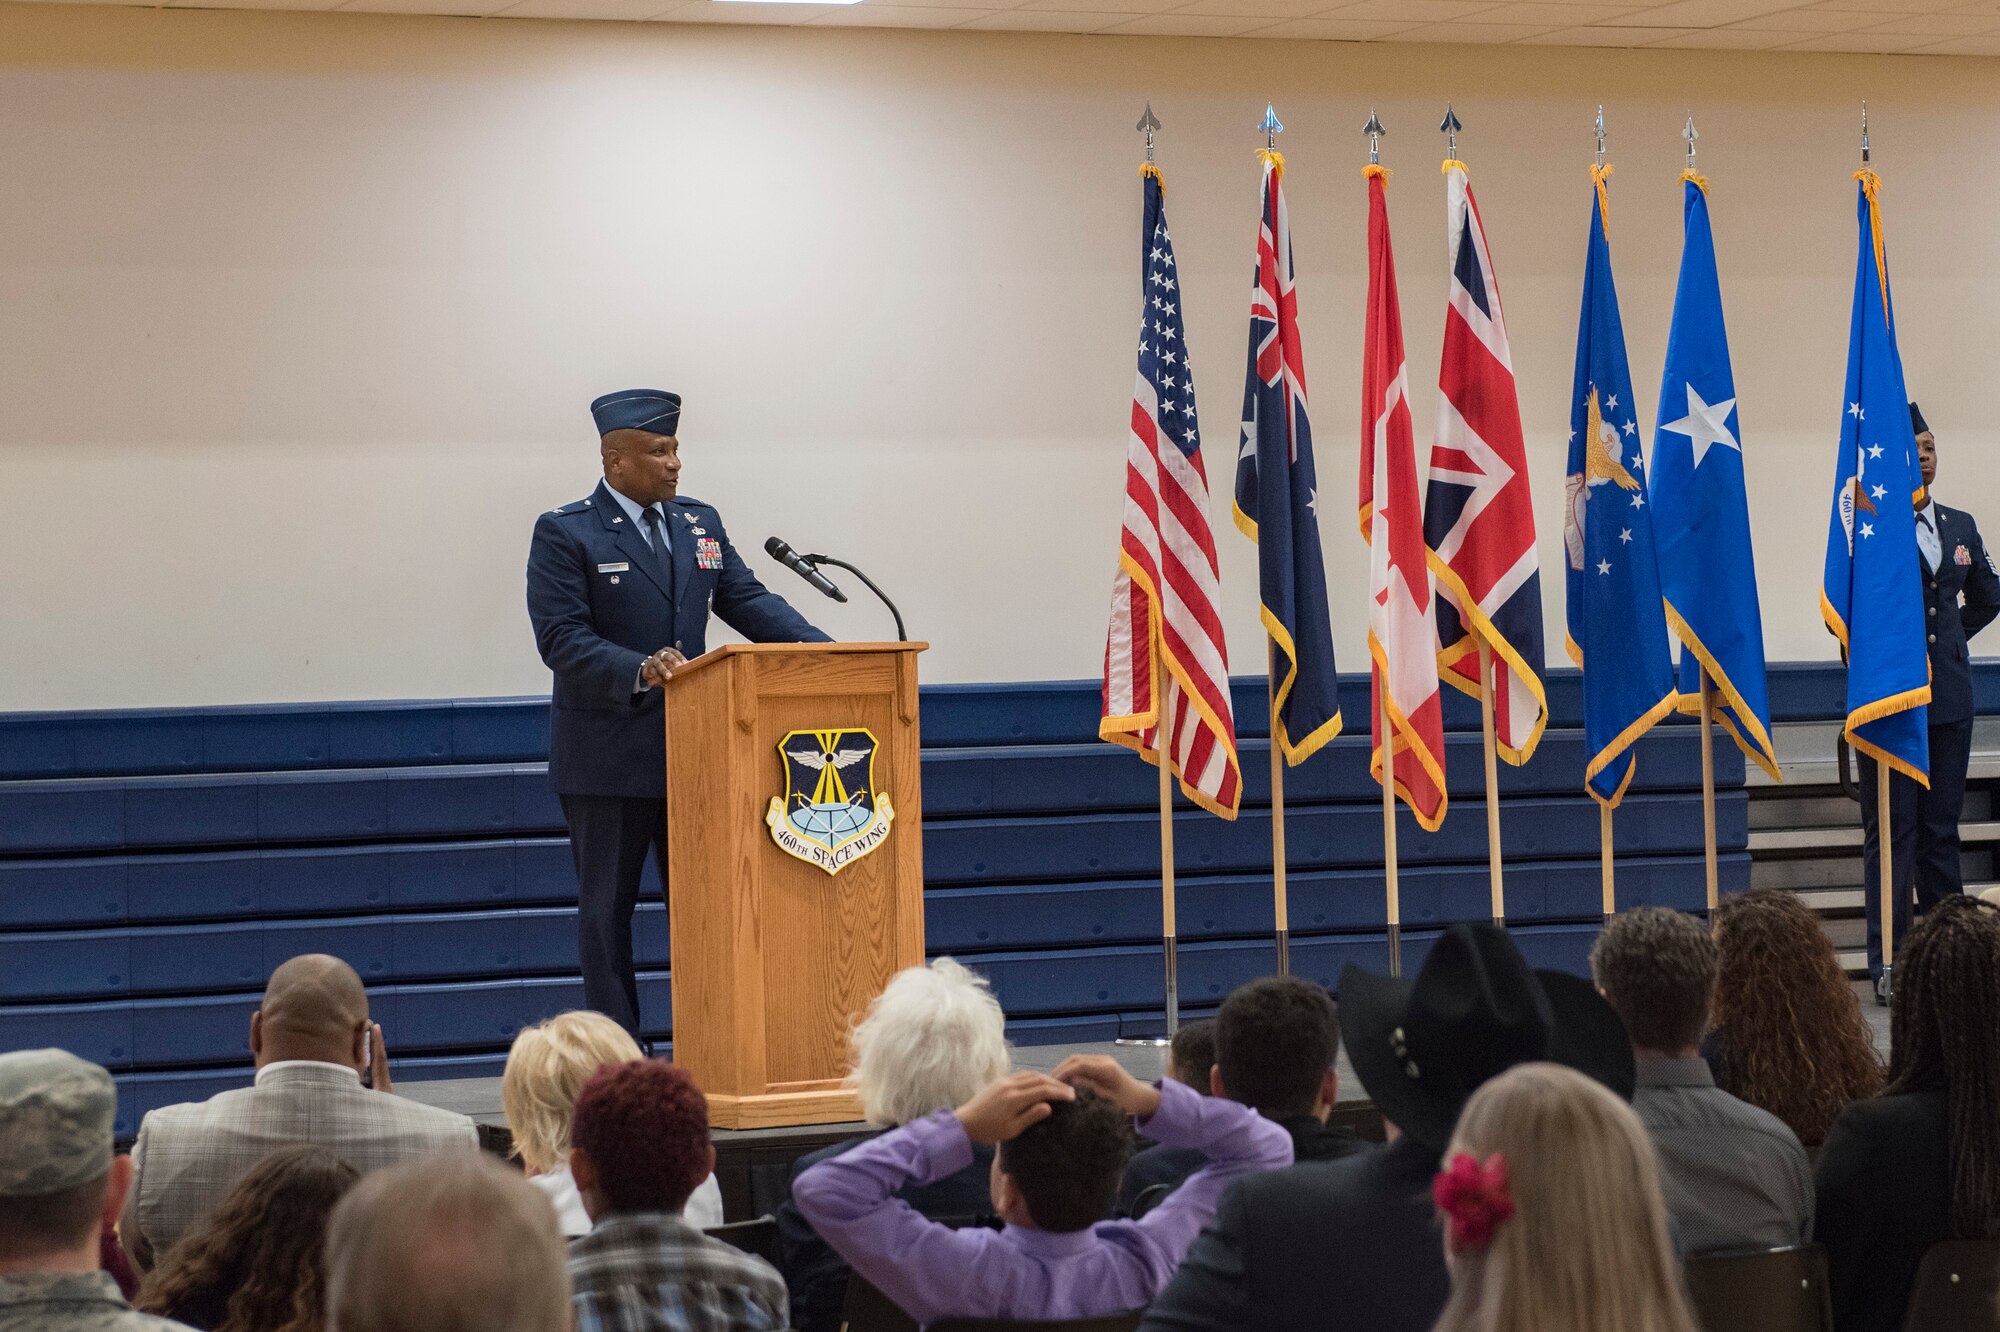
[1790, 1035]
[60, 1185]
[1191, 1057]
[1656, 967]
[932, 1040]
[546, 1068]
[640, 1141]
[1475, 1010]
[1553, 1216]
[1275, 1043]
[1944, 1034]
[1061, 1174]
[313, 1008]
[256, 1264]
[452, 1243]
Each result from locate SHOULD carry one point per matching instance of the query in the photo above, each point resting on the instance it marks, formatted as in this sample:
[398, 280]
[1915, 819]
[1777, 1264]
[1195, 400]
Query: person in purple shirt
[1062, 1146]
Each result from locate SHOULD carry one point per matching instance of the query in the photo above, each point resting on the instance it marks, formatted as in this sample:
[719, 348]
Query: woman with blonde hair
[932, 1040]
[546, 1068]
[1552, 1211]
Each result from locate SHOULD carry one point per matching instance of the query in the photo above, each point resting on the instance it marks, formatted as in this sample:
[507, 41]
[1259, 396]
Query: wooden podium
[773, 955]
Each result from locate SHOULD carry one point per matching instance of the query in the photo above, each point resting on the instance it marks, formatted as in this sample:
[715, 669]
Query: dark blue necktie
[656, 537]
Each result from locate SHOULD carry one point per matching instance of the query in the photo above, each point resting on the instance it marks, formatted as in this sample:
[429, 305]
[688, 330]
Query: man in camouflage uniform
[59, 1185]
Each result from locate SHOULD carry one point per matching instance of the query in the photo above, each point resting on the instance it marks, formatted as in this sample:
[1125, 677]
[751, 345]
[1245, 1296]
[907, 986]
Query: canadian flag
[1402, 621]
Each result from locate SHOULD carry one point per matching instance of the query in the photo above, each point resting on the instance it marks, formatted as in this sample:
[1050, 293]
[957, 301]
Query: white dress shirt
[1928, 540]
[703, 1210]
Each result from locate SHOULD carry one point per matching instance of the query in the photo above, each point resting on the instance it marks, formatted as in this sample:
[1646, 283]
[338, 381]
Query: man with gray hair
[311, 1037]
[457, 1243]
[59, 1185]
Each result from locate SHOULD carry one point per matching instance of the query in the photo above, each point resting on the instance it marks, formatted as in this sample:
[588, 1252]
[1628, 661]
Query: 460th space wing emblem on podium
[831, 813]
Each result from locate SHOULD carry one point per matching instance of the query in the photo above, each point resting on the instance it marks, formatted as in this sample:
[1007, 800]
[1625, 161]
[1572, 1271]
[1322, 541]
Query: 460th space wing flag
[1277, 496]
[1707, 572]
[1402, 629]
[1617, 621]
[1872, 598]
[1166, 669]
[1479, 513]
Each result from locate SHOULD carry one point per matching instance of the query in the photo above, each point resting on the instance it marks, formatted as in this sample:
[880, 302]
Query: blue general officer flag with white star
[1872, 597]
[1617, 621]
[1702, 507]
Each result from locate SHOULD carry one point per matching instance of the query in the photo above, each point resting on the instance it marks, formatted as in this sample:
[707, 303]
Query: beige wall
[300, 313]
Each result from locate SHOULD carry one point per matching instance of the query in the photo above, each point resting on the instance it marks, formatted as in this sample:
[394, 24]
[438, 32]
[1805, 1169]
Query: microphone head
[776, 549]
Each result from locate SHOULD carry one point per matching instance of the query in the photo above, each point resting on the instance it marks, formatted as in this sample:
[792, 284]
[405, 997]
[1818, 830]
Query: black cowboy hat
[1475, 1010]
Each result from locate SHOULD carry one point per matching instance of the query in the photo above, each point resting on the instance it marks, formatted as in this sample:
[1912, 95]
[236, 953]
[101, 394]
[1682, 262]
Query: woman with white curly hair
[932, 1039]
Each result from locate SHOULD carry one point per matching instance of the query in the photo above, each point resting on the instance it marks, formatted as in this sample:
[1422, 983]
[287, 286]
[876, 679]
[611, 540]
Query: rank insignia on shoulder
[708, 552]
[1961, 556]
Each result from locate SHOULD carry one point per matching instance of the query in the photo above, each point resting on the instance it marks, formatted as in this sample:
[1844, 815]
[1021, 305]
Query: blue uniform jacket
[599, 606]
[1964, 569]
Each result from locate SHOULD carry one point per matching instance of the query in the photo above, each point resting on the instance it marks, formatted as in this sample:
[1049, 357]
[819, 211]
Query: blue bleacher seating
[154, 865]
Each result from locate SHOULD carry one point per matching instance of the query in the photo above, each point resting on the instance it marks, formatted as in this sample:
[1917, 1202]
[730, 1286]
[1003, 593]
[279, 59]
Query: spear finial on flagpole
[1271, 126]
[1148, 122]
[1864, 131]
[1373, 129]
[1600, 136]
[1690, 133]
[1449, 127]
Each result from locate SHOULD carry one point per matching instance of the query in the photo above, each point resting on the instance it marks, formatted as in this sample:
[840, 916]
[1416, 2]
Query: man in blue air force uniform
[620, 587]
[1955, 567]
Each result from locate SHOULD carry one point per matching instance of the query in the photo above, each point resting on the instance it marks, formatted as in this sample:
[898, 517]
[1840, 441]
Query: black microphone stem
[901, 635]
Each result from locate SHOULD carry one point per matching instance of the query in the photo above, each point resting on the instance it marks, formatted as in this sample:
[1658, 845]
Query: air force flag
[1703, 510]
[1872, 597]
[1617, 622]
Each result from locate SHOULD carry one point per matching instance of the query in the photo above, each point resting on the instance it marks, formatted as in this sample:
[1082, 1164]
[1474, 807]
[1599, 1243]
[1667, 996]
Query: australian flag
[1706, 569]
[1872, 598]
[1277, 496]
[1617, 621]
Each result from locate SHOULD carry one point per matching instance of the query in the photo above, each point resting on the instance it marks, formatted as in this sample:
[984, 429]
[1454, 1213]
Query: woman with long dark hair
[256, 1265]
[1789, 1034]
[1921, 1162]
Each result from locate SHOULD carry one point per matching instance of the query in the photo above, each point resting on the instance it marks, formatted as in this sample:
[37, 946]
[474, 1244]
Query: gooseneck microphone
[803, 567]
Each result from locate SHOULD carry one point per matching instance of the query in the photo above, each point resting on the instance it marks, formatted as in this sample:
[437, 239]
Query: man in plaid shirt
[639, 1146]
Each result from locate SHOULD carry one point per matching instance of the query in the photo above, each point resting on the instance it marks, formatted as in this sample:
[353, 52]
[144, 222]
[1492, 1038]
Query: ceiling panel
[1942, 27]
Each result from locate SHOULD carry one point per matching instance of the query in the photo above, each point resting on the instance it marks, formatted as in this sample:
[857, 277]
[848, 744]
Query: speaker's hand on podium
[1010, 1105]
[1105, 1076]
[659, 668]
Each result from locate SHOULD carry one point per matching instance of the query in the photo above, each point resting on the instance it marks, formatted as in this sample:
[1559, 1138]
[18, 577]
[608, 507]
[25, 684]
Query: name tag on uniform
[614, 568]
[708, 553]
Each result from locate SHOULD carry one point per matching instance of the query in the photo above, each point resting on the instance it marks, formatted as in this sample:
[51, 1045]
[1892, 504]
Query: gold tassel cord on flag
[1696, 179]
[1452, 164]
[1272, 158]
[1148, 169]
[1600, 176]
[1375, 169]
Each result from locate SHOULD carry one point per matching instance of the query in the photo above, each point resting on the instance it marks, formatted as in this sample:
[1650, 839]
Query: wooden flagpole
[1604, 859]
[1168, 928]
[1708, 785]
[1492, 782]
[1280, 902]
[1389, 838]
[1885, 838]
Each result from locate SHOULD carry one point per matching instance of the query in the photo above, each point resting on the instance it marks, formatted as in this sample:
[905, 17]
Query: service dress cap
[56, 1113]
[1917, 422]
[653, 410]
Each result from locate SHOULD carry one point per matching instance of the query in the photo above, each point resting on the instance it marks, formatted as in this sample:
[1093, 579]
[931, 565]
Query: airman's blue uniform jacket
[601, 606]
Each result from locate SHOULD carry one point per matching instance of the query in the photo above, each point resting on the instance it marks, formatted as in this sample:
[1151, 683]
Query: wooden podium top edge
[728, 650]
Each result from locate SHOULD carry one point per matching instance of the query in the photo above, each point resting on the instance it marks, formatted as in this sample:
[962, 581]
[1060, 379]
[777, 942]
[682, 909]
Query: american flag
[1402, 634]
[1165, 664]
[1479, 516]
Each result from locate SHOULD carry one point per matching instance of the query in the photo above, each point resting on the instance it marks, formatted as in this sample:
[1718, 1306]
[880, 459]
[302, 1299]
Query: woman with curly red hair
[256, 1265]
[1789, 1035]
